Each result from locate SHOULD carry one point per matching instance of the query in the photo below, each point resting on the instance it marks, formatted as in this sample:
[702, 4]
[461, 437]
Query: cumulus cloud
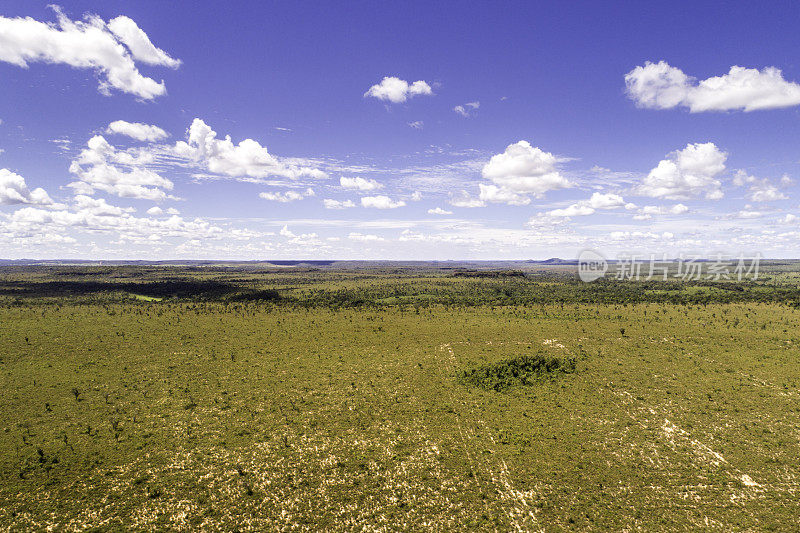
[246, 159]
[495, 194]
[137, 41]
[97, 216]
[359, 184]
[100, 166]
[760, 189]
[544, 221]
[439, 211]
[678, 209]
[397, 91]
[329, 203]
[467, 110]
[137, 130]
[381, 202]
[575, 210]
[14, 190]
[417, 124]
[687, 173]
[748, 214]
[111, 50]
[99, 207]
[521, 170]
[661, 86]
[286, 197]
[647, 212]
[590, 206]
[463, 199]
[364, 237]
[303, 239]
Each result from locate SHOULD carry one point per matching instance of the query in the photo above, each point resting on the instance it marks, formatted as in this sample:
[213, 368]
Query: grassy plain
[257, 398]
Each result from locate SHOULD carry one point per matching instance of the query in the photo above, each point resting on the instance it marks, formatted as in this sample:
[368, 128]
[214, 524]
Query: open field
[308, 397]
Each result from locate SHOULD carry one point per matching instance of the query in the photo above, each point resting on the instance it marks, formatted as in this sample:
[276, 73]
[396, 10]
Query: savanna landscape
[385, 396]
[358, 266]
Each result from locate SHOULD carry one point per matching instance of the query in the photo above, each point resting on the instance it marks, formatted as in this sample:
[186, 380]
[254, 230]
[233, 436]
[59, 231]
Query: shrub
[268, 295]
[517, 370]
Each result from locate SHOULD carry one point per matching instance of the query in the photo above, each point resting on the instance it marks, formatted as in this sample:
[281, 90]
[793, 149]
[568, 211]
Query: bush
[517, 370]
[268, 295]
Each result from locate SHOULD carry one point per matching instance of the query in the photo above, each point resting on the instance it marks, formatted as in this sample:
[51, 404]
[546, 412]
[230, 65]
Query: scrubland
[387, 398]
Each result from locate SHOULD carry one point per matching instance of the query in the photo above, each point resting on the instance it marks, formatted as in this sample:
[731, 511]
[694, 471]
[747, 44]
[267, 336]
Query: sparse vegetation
[353, 398]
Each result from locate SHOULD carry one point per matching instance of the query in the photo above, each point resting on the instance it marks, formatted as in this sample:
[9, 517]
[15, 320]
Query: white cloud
[336, 204]
[575, 210]
[790, 219]
[14, 190]
[90, 44]
[463, 199]
[544, 221]
[99, 207]
[439, 211]
[247, 159]
[97, 216]
[364, 237]
[467, 109]
[520, 170]
[661, 86]
[647, 212]
[139, 43]
[303, 239]
[760, 190]
[606, 201]
[155, 211]
[137, 130]
[286, 197]
[359, 184]
[495, 194]
[687, 173]
[748, 214]
[765, 193]
[123, 173]
[588, 207]
[381, 202]
[396, 90]
[417, 124]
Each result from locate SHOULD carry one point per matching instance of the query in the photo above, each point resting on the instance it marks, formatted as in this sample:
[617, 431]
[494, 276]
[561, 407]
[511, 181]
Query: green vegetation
[517, 370]
[382, 396]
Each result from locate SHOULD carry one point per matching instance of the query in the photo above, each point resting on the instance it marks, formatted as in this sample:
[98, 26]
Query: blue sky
[533, 131]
